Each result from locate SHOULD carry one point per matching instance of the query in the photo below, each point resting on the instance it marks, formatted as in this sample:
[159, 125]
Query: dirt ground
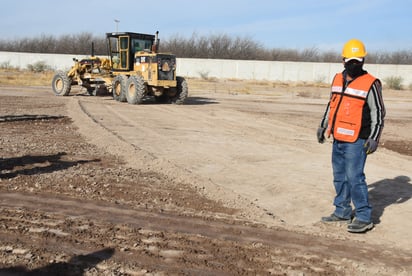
[231, 183]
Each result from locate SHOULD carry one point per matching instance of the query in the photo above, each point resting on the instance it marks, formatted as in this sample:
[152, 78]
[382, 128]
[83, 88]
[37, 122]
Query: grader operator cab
[133, 70]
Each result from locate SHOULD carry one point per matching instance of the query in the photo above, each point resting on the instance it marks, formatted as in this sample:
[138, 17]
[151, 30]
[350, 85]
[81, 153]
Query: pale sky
[323, 24]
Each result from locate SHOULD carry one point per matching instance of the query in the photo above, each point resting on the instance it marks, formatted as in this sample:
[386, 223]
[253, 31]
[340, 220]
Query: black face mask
[354, 68]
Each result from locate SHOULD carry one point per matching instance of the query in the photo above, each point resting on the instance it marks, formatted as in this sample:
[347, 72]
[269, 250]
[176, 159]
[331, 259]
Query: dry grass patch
[25, 78]
[15, 77]
[254, 87]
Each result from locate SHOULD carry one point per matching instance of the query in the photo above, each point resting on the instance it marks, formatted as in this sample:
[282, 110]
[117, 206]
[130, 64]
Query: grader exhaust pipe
[155, 46]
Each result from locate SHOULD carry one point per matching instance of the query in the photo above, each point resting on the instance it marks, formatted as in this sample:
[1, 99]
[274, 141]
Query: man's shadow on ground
[77, 265]
[388, 192]
[36, 164]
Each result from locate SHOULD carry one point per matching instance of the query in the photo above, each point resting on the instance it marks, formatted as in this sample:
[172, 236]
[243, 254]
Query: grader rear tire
[136, 90]
[61, 84]
[182, 91]
[119, 88]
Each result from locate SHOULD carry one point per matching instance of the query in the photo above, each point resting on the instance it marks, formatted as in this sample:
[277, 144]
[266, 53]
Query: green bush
[39, 66]
[394, 82]
[204, 75]
[7, 65]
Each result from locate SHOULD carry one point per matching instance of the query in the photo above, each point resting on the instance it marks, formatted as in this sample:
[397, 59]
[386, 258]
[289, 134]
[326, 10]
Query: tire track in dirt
[144, 160]
[220, 229]
[248, 150]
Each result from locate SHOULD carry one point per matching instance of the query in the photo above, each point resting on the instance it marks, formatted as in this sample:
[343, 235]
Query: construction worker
[354, 116]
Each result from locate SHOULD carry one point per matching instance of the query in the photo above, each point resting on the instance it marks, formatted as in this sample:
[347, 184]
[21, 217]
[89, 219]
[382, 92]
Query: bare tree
[215, 46]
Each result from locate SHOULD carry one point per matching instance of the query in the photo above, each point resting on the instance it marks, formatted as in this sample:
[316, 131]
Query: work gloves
[370, 146]
[321, 135]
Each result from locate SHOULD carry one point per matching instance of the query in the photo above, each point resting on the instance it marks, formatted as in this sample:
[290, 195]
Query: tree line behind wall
[218, 46]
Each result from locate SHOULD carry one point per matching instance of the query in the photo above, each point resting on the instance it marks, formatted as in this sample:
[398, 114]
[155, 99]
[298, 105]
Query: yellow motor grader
[133, 70]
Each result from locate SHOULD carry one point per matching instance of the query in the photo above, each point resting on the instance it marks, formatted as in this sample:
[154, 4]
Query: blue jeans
[348, 163]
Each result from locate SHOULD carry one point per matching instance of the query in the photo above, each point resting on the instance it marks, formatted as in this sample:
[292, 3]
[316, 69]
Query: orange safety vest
[346, 107]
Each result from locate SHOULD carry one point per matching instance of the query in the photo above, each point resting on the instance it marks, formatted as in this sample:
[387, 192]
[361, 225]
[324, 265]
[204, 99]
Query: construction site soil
[231, 183]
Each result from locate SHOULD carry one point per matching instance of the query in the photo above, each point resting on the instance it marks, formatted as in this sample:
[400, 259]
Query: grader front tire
[61, 84]
[119, 88]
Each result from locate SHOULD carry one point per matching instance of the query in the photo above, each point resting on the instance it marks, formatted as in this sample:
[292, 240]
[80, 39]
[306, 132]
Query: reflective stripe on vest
[346, 107]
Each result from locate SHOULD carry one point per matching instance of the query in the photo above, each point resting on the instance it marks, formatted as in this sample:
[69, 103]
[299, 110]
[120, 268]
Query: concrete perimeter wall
[230, 69]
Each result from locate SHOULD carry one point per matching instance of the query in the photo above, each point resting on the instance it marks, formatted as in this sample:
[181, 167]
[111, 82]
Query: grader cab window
[141, 45]
[124, 52]
[114, 51]
[137, 45]
[124, 46]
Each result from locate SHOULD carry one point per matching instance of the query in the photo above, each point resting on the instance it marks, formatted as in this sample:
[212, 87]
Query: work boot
[358, 226]
[335, 218]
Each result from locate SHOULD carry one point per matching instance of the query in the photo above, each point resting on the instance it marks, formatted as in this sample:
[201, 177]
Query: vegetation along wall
[281, 71]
